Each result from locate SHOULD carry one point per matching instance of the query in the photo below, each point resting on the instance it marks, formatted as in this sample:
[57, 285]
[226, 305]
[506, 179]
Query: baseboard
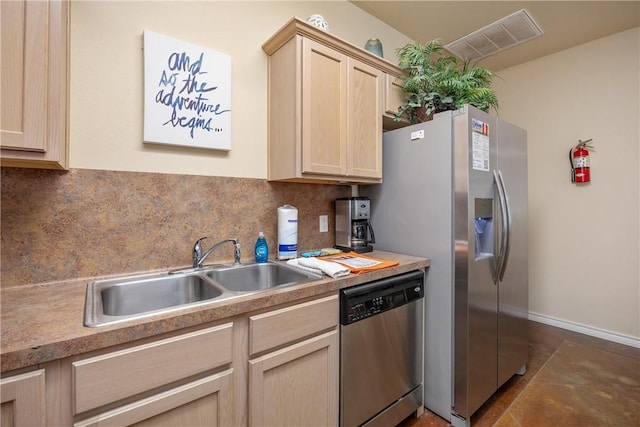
[587, 330]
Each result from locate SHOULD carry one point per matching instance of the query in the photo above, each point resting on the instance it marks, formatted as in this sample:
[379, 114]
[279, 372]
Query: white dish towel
[294, 263]
[332, 269]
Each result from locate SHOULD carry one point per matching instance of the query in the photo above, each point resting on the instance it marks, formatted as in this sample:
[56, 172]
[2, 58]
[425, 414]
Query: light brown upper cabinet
[394, 97]
[326, 103]
[34, 58]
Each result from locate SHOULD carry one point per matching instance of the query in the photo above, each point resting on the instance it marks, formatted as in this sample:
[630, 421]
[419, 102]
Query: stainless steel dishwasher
[381, 333]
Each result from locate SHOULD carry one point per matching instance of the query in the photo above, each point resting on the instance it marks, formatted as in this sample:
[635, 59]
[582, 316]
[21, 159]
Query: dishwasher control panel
[361, 302]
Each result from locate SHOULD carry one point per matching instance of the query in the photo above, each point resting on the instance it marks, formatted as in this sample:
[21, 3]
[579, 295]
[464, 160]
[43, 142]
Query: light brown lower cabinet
[293, 365]
[297, 385]
[181, 380]
[22, 398]
[273, 367]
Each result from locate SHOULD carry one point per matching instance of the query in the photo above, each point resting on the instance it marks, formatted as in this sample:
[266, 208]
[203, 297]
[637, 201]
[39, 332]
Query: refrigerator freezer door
[476, 303]
[513, 289]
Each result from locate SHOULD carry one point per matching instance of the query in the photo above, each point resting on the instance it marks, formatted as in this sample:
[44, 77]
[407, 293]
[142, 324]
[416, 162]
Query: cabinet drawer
[194, 403]
[110, 377]
[289, 324]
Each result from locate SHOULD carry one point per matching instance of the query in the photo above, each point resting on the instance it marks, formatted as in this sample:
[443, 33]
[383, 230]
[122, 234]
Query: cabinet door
[394, 95]
[22, 398]
[297, 385]
[34, 83]
[365, 120]
[324, 100]
[206, 402]
[24, 65]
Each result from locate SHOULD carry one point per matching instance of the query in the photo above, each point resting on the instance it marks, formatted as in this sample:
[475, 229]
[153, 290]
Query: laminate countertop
[40, 323]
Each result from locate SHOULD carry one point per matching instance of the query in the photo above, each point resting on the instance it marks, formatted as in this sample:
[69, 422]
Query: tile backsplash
[58, 226]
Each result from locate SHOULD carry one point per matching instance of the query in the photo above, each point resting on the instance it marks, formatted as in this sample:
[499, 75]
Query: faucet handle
[236, 251]
[197, 251]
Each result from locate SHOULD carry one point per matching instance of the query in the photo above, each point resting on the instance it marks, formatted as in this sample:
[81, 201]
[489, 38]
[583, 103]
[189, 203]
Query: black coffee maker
[353, 229]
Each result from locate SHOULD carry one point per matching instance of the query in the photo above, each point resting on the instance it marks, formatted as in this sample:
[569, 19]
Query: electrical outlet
[324, 223]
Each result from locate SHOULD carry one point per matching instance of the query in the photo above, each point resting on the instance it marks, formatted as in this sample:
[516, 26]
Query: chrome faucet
[199, 257]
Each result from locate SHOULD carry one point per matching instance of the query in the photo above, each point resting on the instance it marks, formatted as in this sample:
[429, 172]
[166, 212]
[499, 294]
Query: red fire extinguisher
[580, 162]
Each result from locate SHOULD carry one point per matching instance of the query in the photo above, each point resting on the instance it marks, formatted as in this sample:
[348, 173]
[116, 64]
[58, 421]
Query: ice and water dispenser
[483, 216]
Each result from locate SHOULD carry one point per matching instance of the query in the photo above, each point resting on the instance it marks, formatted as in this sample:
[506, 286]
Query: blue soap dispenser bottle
[262, 249]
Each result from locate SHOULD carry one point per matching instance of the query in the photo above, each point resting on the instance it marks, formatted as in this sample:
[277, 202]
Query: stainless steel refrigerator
[455, 190]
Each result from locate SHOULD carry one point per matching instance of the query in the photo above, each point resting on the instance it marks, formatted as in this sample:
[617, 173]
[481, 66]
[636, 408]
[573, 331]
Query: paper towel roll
[287, 232]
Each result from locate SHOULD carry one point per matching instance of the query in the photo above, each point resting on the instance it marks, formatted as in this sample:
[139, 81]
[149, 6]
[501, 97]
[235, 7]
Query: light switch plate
[324, 223]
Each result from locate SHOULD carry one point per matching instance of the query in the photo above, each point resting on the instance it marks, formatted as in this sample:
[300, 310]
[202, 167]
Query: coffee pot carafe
[353, 226]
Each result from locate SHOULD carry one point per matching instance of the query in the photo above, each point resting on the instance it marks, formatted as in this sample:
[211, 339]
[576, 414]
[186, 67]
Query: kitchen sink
[113, 300]
[256, 277]
[149, 295]
[127, 298]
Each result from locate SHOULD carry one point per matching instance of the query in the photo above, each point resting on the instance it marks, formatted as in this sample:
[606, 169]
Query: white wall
[584, 240]
[107, 76]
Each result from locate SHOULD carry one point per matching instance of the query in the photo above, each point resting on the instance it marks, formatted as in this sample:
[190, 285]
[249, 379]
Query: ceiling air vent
[502, 34]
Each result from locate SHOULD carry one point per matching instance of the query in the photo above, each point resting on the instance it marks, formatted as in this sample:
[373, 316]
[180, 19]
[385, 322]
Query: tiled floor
[572, 380]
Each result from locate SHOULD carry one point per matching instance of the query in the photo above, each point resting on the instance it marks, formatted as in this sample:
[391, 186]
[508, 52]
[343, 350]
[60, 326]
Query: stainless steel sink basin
[115, 300]
[154, 294]
[256, 277]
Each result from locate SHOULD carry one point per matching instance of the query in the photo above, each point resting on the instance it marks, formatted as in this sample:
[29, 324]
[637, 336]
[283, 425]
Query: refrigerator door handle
[503, 228]
[507, 236]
